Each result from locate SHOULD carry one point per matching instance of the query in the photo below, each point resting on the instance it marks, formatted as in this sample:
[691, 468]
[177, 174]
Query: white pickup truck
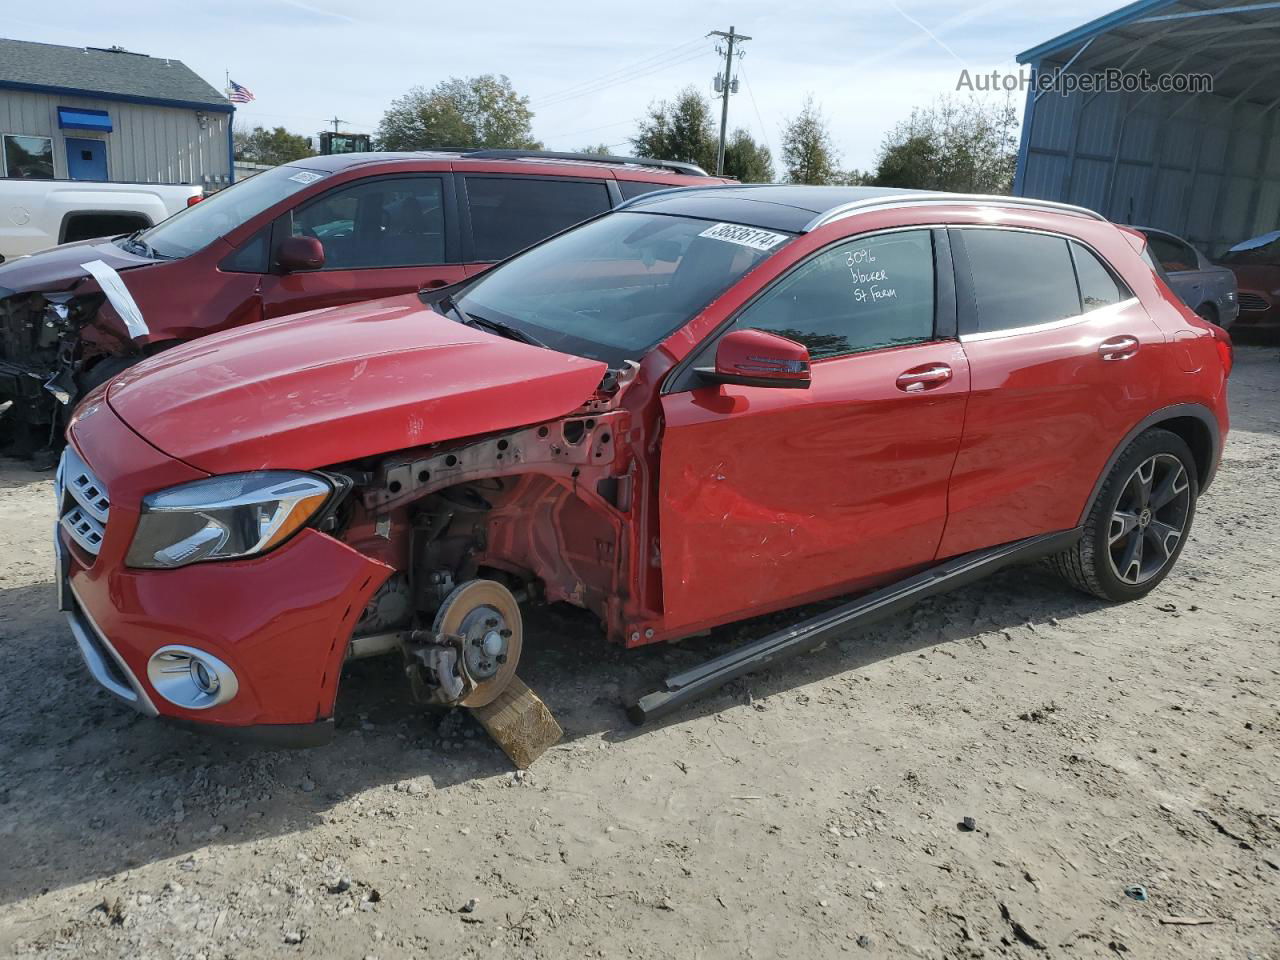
[36, 214]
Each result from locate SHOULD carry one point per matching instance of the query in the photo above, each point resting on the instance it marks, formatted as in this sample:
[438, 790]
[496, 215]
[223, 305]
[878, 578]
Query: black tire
[102, 371]
[1103, 562]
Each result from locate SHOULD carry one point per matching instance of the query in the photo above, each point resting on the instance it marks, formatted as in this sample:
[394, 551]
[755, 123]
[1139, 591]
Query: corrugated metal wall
[149, 144]
[1200, 167]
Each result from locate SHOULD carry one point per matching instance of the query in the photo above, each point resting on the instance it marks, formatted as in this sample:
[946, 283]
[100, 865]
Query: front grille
[1253, 302]
[83, 503]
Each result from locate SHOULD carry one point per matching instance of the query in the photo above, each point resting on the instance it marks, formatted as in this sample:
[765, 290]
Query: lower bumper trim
[104, 663]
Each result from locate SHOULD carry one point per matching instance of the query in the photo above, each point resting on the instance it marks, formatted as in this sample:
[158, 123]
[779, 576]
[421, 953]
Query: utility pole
[727, 83]
[335, 121]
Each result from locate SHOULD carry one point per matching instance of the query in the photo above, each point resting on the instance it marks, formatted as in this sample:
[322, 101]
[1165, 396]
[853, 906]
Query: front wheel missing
[475, 649]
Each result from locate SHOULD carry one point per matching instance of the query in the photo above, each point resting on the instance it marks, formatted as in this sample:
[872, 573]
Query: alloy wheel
[1149, 519]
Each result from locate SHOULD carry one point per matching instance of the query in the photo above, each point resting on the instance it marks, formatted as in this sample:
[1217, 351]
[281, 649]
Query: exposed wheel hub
[482, 619]
[485, 635]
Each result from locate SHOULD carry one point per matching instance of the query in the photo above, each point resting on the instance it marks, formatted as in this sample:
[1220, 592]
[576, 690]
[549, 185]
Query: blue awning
[82, 118]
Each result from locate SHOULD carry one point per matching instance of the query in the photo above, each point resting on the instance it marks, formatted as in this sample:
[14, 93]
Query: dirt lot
[809, 811]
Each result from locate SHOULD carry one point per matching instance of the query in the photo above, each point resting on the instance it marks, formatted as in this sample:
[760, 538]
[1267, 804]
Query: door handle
[1118, 348]
[435, 284]
[924, 378]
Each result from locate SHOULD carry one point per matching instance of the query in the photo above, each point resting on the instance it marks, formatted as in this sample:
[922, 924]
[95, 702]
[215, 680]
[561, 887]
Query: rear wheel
[1139, 522]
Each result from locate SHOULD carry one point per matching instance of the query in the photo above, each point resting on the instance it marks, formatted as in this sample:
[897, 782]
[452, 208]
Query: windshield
[198, 226]
[617, 286]
[1264, 249]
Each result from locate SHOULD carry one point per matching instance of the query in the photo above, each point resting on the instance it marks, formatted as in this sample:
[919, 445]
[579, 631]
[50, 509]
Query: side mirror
[300, 253]
[755, 358]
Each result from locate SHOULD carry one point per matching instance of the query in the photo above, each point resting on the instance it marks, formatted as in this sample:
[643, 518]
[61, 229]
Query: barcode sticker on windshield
[744, 236]
[306, 176]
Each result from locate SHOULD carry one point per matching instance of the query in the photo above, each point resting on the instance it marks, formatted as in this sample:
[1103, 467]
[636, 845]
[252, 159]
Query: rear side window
[1019, 279]
[638, 188]
[1098, 285]
[869, 293]
[1174, 255]
[511, 213]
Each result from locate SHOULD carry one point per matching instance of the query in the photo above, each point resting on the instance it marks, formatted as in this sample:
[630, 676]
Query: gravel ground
[812, 810]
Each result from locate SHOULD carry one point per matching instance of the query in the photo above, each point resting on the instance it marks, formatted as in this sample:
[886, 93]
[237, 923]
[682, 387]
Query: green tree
[853, 178]
[276, 146]
[961, 145]
[680, 129]
[747, 160]
[808, 155]
[461, 112]
[600, 149]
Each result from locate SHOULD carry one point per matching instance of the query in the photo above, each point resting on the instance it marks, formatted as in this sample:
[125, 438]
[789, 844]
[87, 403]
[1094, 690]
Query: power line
[603, 126]
[764, 131]
[656, 68]
[620, 70]
[649, 71]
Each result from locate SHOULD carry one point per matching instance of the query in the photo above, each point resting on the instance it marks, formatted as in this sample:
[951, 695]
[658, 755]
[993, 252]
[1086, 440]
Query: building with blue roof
[89, 113]
[1204, 164]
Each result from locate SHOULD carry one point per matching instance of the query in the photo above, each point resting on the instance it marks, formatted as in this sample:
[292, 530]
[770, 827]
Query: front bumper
[281, 622]
[103, 660]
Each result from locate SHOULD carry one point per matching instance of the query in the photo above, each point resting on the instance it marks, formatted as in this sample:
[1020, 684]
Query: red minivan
[707, 405]
[320, 232]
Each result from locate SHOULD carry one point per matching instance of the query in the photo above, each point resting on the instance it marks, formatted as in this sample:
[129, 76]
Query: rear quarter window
[630, 189]
[1174, 255]
[1099, 286]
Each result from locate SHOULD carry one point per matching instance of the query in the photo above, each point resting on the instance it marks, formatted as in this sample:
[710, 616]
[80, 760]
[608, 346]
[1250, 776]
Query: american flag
[237, 93]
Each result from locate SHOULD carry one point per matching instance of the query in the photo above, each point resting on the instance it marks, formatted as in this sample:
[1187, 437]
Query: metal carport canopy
[1202, 165]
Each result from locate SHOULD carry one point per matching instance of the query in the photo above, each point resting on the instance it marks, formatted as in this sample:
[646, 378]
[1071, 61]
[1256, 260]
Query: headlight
[220, 518]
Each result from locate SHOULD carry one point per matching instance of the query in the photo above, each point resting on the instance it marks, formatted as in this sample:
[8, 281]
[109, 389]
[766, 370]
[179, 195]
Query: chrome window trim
[1049, 325]
[945, 199]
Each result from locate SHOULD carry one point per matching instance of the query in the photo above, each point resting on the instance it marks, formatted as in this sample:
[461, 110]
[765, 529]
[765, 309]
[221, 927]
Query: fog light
[200, 675]
[191, 678]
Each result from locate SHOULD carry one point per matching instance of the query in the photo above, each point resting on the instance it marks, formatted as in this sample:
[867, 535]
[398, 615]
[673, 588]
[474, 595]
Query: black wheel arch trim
[1173, 412]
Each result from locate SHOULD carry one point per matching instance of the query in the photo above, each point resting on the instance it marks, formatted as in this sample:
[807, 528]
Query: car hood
[59, 268]
[333, 385]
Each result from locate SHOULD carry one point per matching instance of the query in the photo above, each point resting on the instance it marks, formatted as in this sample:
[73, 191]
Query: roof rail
[931, 199]
[691, 169]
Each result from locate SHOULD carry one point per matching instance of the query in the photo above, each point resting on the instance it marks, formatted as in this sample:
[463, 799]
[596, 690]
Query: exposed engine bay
[474, 530]
[42, 350]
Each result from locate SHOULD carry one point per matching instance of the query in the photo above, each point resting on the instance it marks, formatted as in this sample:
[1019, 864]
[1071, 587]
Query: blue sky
[589, 69]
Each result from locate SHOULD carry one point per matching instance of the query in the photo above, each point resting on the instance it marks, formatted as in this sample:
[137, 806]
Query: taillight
[192, 201]
[1226, 352]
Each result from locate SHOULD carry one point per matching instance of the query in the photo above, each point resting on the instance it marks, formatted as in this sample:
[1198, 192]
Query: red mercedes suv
[709, 404]
[315, 233]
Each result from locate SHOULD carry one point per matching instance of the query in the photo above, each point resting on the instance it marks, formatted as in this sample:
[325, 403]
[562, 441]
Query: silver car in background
[1205, 287]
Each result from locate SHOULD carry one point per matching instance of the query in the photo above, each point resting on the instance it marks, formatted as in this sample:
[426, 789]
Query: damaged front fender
[48, 337]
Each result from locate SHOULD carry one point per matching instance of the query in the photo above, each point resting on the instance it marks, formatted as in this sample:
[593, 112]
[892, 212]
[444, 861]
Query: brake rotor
[486, 618]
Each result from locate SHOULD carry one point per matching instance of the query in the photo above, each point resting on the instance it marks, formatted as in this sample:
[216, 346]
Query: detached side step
[682, 688]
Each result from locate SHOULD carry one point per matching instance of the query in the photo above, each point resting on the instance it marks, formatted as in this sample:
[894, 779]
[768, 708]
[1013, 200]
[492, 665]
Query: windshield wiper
[136, 245]
[495, 326]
